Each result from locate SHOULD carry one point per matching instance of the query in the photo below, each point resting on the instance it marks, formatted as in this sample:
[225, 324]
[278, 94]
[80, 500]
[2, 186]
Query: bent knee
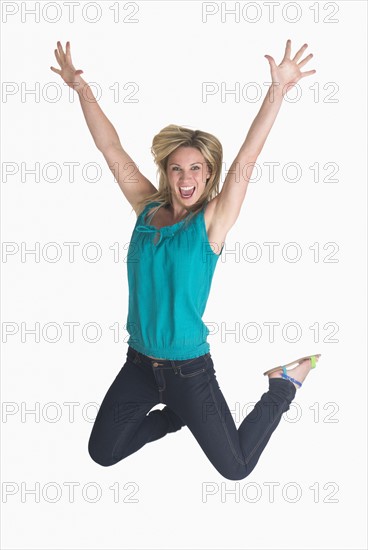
[235, 474]
[100, 458]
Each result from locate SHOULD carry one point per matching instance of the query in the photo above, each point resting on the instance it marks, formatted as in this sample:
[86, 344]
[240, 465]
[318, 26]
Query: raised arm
[232, 194]
[133, 184]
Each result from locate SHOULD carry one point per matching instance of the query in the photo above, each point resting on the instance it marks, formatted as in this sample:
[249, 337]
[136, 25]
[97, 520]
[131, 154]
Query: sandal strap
[287, 377]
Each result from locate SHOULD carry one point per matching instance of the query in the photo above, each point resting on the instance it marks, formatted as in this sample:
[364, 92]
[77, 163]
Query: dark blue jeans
[193, 398]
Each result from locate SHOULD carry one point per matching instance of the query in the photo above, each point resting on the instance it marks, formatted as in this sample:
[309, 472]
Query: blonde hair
[168, 140]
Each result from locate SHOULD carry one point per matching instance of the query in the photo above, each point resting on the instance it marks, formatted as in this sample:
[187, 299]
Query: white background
[170, 52]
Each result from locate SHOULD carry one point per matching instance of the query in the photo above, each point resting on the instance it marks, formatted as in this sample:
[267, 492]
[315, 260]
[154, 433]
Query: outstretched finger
[299, 53]
[271, 62]
[55, 70]
[68, 54]
[308, 73]
[60, 50]
[304, 61]
[287, 50]
[57, 57]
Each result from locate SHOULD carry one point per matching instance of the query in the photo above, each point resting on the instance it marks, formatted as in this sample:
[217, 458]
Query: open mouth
[186, 192]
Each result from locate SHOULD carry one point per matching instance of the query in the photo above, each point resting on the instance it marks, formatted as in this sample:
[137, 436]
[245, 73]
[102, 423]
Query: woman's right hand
[68, 72]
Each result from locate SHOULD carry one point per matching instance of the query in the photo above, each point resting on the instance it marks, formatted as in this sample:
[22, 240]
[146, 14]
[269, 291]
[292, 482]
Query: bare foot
[299, 372]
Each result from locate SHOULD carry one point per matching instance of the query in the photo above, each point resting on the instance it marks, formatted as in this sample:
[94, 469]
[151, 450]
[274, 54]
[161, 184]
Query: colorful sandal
[284, 375]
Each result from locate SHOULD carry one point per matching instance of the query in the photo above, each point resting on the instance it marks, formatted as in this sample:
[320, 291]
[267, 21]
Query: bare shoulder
[216, 232]
[134, 185]
[136, 205]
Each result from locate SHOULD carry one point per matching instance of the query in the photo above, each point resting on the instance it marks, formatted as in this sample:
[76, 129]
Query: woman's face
[187, 173]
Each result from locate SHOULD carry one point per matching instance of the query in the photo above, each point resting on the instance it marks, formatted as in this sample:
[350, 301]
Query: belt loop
[175, 368]
[137, 358]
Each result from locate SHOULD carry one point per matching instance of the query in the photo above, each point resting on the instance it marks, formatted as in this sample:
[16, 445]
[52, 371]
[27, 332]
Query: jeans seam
[242, 462]
[186, 363]
[179, 367]
[195, 373]
[264, 435]
[118, 440]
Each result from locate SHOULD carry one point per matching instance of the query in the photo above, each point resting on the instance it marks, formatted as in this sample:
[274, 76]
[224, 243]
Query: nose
[186, 177]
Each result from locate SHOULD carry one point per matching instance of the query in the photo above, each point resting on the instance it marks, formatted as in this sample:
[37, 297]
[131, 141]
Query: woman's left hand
[288, 73]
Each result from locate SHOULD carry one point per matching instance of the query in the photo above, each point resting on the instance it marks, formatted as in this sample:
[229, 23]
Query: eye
[176, 168]
[196, 167]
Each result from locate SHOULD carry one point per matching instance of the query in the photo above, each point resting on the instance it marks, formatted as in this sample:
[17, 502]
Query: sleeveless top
[169, 281]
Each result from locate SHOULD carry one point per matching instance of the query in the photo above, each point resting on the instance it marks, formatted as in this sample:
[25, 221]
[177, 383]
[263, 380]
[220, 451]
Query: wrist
[275, 92]
[77, 84]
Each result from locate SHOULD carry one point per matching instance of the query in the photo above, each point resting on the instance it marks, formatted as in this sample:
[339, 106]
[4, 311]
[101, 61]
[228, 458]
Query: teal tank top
[169, 281]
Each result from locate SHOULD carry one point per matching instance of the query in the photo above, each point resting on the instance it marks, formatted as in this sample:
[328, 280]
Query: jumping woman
[177, 239]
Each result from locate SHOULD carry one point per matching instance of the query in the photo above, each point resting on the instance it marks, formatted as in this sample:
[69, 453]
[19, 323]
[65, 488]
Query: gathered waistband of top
[142, 359]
